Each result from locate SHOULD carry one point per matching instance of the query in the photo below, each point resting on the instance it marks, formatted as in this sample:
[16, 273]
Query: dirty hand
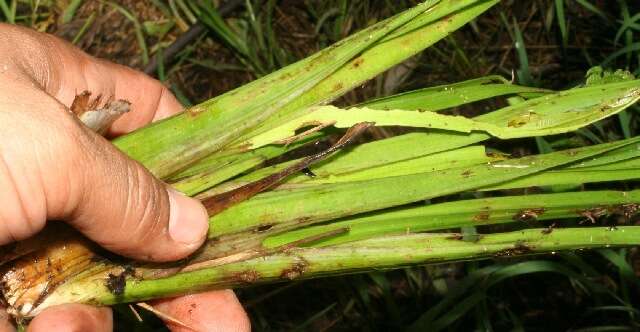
[53, 168]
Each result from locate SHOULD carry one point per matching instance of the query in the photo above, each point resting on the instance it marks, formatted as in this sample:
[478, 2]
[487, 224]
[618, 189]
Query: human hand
[54, 168]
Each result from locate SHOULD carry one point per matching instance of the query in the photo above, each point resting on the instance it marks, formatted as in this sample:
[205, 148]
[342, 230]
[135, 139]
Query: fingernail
[188, 219]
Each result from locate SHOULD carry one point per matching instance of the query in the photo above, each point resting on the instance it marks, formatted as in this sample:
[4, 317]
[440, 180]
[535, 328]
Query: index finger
[64, 71]
[150, 99]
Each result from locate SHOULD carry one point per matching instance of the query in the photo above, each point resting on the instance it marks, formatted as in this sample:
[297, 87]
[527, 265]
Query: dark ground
[292, 29]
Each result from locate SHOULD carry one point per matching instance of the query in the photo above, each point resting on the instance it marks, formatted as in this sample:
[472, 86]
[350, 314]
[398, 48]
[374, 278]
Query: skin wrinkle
[121, 205]
[163, 95]
[77, 165]
[153, 216]
[31, 54]
[62, 195]
[33, 215]
[32, 60]
[44, 66]
[44, 201]
[132, 180]
[77, 145]
[48, 76]
[86, 179]
[133, 199]
[6, 223]
[150, 213]
[22, 223]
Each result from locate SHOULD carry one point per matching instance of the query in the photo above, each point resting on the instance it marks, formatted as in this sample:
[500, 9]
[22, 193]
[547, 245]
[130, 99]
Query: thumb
[53, 168]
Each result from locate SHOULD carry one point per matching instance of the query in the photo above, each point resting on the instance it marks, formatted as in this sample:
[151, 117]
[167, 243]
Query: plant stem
[368, 255]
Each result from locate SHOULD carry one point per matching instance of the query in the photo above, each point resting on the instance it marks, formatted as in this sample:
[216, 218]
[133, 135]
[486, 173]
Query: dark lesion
[308, 172]
[33, 269]
[528, 215]
[116, 283]
[218, 203]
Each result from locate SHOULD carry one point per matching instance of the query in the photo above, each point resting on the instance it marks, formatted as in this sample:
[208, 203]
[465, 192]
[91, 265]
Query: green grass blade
[457, 214]
[589, 6]
[451, 95]
[549, 115]
[366, 164]
[436, 24]
[8, 12]
[297, 206]
[137, 27]
[70, 10]
[562, 22]
[168, 146]
[439, 317]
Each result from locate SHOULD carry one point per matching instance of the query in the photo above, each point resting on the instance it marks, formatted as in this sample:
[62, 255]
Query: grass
[547, 43]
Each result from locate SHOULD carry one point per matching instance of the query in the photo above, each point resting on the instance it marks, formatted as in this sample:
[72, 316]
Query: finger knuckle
[20, 217]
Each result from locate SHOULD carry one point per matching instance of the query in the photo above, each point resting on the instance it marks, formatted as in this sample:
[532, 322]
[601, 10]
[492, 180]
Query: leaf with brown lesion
[223, 201]
[34, 274]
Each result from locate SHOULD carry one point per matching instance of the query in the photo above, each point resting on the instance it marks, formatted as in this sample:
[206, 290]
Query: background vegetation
[543, 43]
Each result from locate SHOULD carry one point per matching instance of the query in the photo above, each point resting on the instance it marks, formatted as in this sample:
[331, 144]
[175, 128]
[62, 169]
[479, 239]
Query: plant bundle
[351, 204]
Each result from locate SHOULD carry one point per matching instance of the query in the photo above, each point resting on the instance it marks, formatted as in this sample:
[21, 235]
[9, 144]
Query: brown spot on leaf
[482, 216]
[263, 228]
[466, 238]
[593, 214]
[519, 248]
[628, 210]
[220, 202]
[358, 62]
[571, 152]
[296, 271]
[302, 220]
[549, 229]
[455, 237]
[195, 110]
[308, 172]
[448, 18]
[625, 212]
[249, 277]
[528, 215]
[523, 119]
